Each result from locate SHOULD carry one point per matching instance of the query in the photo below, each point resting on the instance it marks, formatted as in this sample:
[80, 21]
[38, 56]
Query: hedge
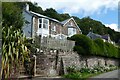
[86, 46]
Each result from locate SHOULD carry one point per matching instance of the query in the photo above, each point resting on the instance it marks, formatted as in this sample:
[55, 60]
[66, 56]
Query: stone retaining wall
[54, 63]
[58, 62]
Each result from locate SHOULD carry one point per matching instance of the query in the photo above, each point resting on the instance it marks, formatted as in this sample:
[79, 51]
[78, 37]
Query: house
[105, 38]
[70, 27]
[93, 35]
[40, 25]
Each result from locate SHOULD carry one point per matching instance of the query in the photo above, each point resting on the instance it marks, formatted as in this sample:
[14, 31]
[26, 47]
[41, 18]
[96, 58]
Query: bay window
[71, 31]
[43, 23]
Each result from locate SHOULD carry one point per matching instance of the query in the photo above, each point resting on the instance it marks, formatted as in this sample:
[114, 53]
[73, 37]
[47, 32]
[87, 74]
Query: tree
[35, 8]
[11, 15]
[64, 16]
[83, 45]
[52, 13]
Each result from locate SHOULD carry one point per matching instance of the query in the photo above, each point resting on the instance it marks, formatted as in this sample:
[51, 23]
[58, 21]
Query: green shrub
[83, 45]
[85, 70]
[111, 50]
[71, 69]
[86, 46]
[74, 76]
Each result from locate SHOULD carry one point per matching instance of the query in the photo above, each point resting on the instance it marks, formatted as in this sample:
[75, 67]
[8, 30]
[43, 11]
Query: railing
[52, 43]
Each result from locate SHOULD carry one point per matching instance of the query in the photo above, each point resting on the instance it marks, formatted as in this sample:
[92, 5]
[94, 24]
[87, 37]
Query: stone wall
[54, 63]
[78, 61]
[58, 61]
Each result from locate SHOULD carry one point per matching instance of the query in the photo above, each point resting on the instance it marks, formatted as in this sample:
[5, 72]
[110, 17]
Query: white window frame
[40, 23]
[45, 23]
[72, 31]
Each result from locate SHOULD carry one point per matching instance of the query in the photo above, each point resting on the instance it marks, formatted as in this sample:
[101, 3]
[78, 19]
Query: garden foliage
[85, 46]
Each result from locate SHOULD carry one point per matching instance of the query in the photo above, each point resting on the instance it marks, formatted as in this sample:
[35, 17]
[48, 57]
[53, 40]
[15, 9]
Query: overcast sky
[105, 11]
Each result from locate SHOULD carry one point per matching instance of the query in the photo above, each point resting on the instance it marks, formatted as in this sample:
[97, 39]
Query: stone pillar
[56, 61]
[34, 65]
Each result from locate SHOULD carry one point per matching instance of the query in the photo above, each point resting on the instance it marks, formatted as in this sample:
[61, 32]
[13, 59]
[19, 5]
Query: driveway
[113, 75]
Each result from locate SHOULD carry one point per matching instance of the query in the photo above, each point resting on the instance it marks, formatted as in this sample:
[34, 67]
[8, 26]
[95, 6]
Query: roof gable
[67, 20]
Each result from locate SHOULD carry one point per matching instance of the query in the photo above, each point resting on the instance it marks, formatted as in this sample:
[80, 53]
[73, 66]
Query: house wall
[35, 25]
[55, 28]
[70, 23]
[27, 27]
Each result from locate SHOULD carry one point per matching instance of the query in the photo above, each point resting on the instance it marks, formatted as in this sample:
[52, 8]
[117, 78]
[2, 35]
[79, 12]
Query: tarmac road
[113, 75]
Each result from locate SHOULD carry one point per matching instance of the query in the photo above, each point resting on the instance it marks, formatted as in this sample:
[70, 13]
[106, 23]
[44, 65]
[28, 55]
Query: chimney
[27, 7]
[118, 29]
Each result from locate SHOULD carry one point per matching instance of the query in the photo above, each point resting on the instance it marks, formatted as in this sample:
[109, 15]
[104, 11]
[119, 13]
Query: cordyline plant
[14, 50]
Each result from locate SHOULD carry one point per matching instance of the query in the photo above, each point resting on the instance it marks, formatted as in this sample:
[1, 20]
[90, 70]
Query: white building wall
[27, 27]
[42, 31]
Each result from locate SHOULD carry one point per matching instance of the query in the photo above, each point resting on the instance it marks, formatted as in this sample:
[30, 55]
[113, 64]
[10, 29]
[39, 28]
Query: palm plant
[14, 50]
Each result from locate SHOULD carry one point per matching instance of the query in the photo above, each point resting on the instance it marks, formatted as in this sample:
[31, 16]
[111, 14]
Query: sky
[105, 11]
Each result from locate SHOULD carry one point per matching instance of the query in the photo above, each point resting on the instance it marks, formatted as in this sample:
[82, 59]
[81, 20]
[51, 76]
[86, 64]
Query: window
[71, 31]
[71, 23]
[40, 22]
[45, 23]
[53, 28]
[74, 30]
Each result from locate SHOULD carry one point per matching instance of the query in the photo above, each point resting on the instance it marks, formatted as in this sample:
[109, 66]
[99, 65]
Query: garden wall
[56, 62]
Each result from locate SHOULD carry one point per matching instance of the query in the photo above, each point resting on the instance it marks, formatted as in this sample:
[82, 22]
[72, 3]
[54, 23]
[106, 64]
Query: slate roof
[105, 37]
[63, 22]
[39, 15]
[93, 35]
